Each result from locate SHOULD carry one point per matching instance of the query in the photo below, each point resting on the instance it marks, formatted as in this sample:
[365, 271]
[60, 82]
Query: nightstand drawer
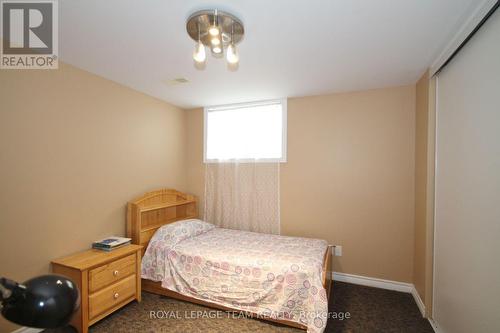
[111, 296]
[112, 272]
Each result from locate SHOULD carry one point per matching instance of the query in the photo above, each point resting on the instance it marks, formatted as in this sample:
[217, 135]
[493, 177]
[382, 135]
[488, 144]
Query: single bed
[272, 277]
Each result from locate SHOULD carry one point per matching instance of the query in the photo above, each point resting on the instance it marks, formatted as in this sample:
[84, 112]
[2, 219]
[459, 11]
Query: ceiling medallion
[217, 30]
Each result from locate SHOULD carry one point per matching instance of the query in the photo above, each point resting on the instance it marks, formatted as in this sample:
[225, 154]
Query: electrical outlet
[336, 250]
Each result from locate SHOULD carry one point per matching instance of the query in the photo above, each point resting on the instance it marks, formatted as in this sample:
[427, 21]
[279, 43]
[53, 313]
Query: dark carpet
[371, 310]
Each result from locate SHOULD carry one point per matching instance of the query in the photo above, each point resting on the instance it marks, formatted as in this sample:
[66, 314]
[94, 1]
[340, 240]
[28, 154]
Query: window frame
[227, 107]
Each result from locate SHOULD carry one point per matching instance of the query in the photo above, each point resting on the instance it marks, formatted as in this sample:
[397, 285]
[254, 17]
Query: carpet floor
[371, 310]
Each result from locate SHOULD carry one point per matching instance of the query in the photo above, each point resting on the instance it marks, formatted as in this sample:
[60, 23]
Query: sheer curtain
[243, 196]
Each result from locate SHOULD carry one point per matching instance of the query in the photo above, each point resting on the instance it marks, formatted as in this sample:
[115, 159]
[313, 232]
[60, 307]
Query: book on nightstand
[110, 243]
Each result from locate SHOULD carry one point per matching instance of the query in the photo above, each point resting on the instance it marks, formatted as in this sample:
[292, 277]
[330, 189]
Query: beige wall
[424, 188]
[194, 155]
[422, 111]
[74, 148]
[349, 177]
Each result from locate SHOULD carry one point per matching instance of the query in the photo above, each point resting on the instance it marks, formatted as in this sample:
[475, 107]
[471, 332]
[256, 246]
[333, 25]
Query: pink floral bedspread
[268, 275]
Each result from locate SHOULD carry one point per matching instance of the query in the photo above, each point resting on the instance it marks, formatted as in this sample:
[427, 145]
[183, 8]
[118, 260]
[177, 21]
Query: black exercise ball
[47, 301]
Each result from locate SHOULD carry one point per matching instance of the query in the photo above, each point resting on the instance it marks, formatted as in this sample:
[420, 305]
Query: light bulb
[215, 41]
[232, 56]
[199, 54]
[217, 49]
[214, 30]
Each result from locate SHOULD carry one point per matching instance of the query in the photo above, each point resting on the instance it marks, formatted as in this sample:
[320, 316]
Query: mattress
[269, 275]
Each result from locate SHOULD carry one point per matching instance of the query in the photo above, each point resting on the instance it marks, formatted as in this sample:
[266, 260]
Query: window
[249, 131]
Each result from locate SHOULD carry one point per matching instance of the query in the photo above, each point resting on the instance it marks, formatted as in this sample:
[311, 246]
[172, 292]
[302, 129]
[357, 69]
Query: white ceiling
[291, 47]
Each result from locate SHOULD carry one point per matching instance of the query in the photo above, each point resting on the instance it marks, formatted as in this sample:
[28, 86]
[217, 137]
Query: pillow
[163, 242]
[176, 232]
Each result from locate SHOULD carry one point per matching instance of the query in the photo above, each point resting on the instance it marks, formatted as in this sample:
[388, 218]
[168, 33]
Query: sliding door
[467, 221]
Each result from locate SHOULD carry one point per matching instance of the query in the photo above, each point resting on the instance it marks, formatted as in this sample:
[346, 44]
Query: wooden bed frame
[154, 209]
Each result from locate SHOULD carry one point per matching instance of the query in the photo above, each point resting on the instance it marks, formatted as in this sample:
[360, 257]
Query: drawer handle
[116, 296]
[115, 273]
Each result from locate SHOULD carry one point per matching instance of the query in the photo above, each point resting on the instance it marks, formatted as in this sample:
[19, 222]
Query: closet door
[467, 224]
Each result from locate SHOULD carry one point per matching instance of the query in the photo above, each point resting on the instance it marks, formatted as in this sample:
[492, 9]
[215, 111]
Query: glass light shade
[214, 30]
[215, 41]
[232, 56]
[216, 49]
[199, 54]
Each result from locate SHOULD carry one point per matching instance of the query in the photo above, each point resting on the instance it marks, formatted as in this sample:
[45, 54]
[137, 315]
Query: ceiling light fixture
[214, 29]
[215, 41]
[232, 56]
[199, 51]
[217, 30]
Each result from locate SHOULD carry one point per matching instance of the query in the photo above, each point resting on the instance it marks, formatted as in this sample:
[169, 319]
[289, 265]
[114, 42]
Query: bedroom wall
[349, 176]
[74, 149]
[424, 188]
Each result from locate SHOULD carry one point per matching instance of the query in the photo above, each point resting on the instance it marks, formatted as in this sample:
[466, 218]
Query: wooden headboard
[153, 209]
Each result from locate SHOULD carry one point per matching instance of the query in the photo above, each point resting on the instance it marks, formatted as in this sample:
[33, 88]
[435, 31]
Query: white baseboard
[418, 300]
[434, 325]
[385, 284]
[373, 282]
[27, 330]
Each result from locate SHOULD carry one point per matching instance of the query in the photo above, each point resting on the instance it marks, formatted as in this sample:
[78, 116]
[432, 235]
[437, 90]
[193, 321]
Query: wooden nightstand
[107, 281]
